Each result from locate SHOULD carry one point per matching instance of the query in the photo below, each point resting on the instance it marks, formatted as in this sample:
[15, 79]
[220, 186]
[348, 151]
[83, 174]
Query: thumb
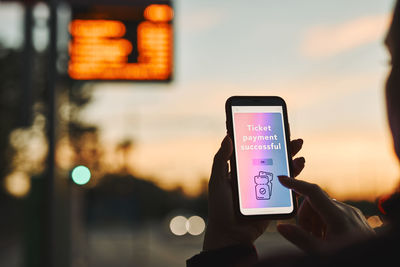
[299, 237]
[220, 164]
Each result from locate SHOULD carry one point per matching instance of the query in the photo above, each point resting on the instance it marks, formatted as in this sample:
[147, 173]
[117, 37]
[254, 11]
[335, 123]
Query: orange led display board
[122, 43]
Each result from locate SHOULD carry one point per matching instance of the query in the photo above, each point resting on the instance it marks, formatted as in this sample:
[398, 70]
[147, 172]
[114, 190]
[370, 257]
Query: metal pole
[49, 247]
[26, 107]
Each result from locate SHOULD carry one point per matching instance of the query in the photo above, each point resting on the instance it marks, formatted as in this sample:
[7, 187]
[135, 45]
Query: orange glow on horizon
[98, 51]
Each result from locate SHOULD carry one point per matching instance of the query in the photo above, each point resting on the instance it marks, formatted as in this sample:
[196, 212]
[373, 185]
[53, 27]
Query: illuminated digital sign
[121, 43]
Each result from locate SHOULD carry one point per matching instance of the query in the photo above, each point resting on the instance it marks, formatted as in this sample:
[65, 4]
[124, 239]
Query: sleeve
[239, 255]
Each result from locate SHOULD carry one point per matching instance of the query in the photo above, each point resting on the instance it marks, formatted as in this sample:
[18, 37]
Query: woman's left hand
[224, 228]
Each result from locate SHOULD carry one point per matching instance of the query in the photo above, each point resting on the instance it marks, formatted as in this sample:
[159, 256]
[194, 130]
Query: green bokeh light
[80, 175]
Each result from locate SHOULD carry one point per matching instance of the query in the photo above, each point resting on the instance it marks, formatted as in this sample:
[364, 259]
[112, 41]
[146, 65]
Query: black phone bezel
[257, 101]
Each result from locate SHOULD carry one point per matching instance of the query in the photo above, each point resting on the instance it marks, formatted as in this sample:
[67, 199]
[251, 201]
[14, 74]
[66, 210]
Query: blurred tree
[20, 142]
[23, 146]
[16, 141]
[10, 95]
[125, 198]
[125, 148]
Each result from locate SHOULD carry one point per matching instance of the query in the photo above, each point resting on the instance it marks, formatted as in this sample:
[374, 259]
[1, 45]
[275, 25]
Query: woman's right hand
[323, 223]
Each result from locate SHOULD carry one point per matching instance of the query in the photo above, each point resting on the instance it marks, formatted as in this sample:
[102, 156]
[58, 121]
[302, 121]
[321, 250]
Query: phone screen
[261, 155]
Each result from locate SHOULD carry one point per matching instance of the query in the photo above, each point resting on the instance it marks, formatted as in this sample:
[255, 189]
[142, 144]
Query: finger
[304, 216]
[298, 165]
[317, 198]
[310, 220]
[318, 227]
[295, 146]
[219, 168]
[299, 237]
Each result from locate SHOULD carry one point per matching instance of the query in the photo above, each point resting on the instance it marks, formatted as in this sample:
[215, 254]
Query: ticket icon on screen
[263, 185]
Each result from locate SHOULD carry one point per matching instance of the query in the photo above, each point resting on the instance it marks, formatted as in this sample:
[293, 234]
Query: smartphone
[259, 129]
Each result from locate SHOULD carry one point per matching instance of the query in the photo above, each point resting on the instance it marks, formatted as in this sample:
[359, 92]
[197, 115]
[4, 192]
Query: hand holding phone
[259, 129]
[224, 227]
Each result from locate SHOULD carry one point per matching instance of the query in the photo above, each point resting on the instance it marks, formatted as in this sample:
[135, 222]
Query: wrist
[238, 255]
[219, 237]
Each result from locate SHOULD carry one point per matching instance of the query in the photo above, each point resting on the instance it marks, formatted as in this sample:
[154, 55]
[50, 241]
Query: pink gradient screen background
[247, 169]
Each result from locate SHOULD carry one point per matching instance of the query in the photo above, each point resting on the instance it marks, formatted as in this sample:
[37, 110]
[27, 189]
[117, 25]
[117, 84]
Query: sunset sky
[325, 58]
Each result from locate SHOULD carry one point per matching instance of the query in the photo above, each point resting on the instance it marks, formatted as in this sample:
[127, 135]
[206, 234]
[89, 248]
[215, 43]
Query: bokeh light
[374, 221]
[81, 175]
[159, 13]
[195, 225]
[97, 28]
[18, 184]
[178, 225]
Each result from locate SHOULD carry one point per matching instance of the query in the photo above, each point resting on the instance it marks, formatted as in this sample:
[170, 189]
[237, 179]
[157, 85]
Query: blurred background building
[111, 112]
